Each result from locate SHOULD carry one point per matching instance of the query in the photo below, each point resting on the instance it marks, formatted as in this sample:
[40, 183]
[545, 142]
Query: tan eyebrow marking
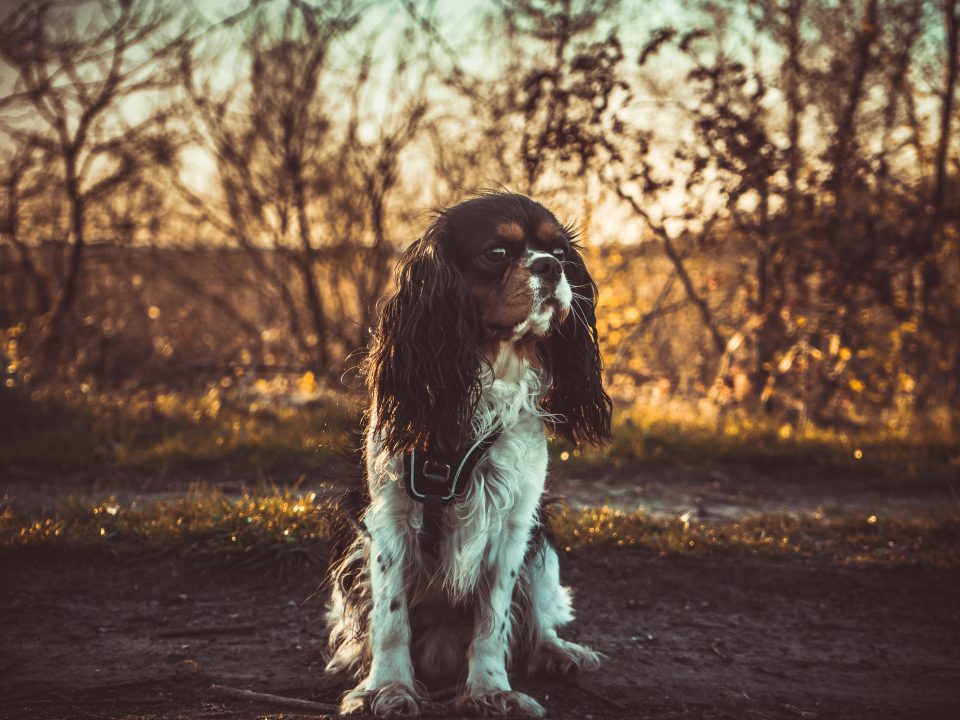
[510, 231]
[548, 231]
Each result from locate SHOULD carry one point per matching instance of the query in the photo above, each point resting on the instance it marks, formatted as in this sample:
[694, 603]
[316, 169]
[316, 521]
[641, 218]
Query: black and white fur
[492, 326]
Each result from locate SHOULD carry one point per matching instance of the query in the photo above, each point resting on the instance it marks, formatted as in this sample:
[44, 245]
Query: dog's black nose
[547, 267]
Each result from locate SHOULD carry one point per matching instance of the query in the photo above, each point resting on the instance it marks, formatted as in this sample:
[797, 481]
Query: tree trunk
[71, 280]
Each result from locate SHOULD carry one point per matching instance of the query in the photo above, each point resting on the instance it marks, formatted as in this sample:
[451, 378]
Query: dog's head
[495, 269]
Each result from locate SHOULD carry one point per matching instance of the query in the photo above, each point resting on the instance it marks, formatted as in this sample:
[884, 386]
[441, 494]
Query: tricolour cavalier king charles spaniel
[448, 573]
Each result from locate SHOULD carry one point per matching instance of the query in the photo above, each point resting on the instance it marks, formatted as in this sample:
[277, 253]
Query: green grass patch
[170, 431]
[862, 540]
[158, 431]
[284, 528]
[667, 436]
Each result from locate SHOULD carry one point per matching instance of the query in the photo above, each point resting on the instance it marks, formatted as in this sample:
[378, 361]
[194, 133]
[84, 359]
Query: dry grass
[290, 527]
[681, 434]
[260, 427]
[257, 425]
[869, 539]
[173, 430]
[281, 527]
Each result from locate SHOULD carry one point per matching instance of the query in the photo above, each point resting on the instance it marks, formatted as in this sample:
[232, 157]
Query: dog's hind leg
[547, 607]
[348, 611]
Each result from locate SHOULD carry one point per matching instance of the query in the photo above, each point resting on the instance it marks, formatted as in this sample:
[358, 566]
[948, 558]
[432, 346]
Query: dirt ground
[96, 637]
[720, 492]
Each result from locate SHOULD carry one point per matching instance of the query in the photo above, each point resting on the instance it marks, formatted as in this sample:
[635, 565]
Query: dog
[449, 572]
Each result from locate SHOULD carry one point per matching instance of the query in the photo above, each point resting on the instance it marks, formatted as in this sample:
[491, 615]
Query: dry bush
[764, 190]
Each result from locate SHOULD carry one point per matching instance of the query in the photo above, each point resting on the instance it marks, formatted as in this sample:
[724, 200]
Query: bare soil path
[720, 492]
[95, 637]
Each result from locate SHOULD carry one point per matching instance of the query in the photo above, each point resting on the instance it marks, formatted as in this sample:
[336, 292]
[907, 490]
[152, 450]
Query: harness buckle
[436, 471]
[431, 481]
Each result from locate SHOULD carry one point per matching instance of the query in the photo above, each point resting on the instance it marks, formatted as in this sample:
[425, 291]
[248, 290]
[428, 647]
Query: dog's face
[496, 269]
[511, 253]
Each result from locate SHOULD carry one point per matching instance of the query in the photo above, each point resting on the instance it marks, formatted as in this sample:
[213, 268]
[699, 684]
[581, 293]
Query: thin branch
[719, 342]
[276, 700]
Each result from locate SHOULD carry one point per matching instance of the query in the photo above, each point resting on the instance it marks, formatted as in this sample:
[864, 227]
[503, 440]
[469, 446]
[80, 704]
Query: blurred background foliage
[201, 210]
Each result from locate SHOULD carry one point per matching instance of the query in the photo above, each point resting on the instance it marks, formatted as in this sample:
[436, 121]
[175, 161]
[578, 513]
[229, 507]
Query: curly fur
[577, 401]
[488, 599]
[425, 358]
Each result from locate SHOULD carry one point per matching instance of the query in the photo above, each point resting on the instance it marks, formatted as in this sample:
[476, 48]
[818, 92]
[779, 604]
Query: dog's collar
[432, 477]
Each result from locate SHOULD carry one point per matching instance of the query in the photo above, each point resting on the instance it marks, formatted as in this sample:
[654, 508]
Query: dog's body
[486, 595]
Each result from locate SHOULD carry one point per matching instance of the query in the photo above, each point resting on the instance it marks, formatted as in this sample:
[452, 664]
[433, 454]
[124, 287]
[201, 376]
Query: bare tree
[823, 195]
[549, 121]
[30, 282]
[304, 187]
[86, 75]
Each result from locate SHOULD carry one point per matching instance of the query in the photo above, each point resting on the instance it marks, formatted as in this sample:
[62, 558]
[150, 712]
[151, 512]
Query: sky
[458, 21]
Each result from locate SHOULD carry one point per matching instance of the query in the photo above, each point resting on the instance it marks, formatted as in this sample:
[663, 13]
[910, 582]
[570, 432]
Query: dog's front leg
[388, 690]
[488, 687]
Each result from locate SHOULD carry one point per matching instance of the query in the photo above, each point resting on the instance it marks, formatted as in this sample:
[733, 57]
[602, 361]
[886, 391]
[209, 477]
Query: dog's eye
[496, 254]
[558, 253]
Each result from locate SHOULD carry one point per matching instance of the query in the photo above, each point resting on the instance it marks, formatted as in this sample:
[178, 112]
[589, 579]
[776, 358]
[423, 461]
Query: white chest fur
[492, 521]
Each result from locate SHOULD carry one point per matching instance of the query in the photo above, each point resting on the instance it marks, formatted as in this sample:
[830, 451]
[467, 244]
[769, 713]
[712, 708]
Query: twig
[277, 700]
[670, 249]
[207, 630]
[716, 651]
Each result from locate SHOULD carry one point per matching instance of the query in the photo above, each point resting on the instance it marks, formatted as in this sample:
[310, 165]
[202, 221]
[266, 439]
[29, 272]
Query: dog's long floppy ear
[577, 396]
[425, 357]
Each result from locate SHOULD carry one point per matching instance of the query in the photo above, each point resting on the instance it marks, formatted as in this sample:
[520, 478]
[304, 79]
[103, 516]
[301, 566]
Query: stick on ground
[277, 700]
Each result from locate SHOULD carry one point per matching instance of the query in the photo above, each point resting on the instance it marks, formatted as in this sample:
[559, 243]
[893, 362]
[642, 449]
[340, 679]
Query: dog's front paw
[395, 701]
[565, 657]
[391, 701]
[497, 703]
[355, 702]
